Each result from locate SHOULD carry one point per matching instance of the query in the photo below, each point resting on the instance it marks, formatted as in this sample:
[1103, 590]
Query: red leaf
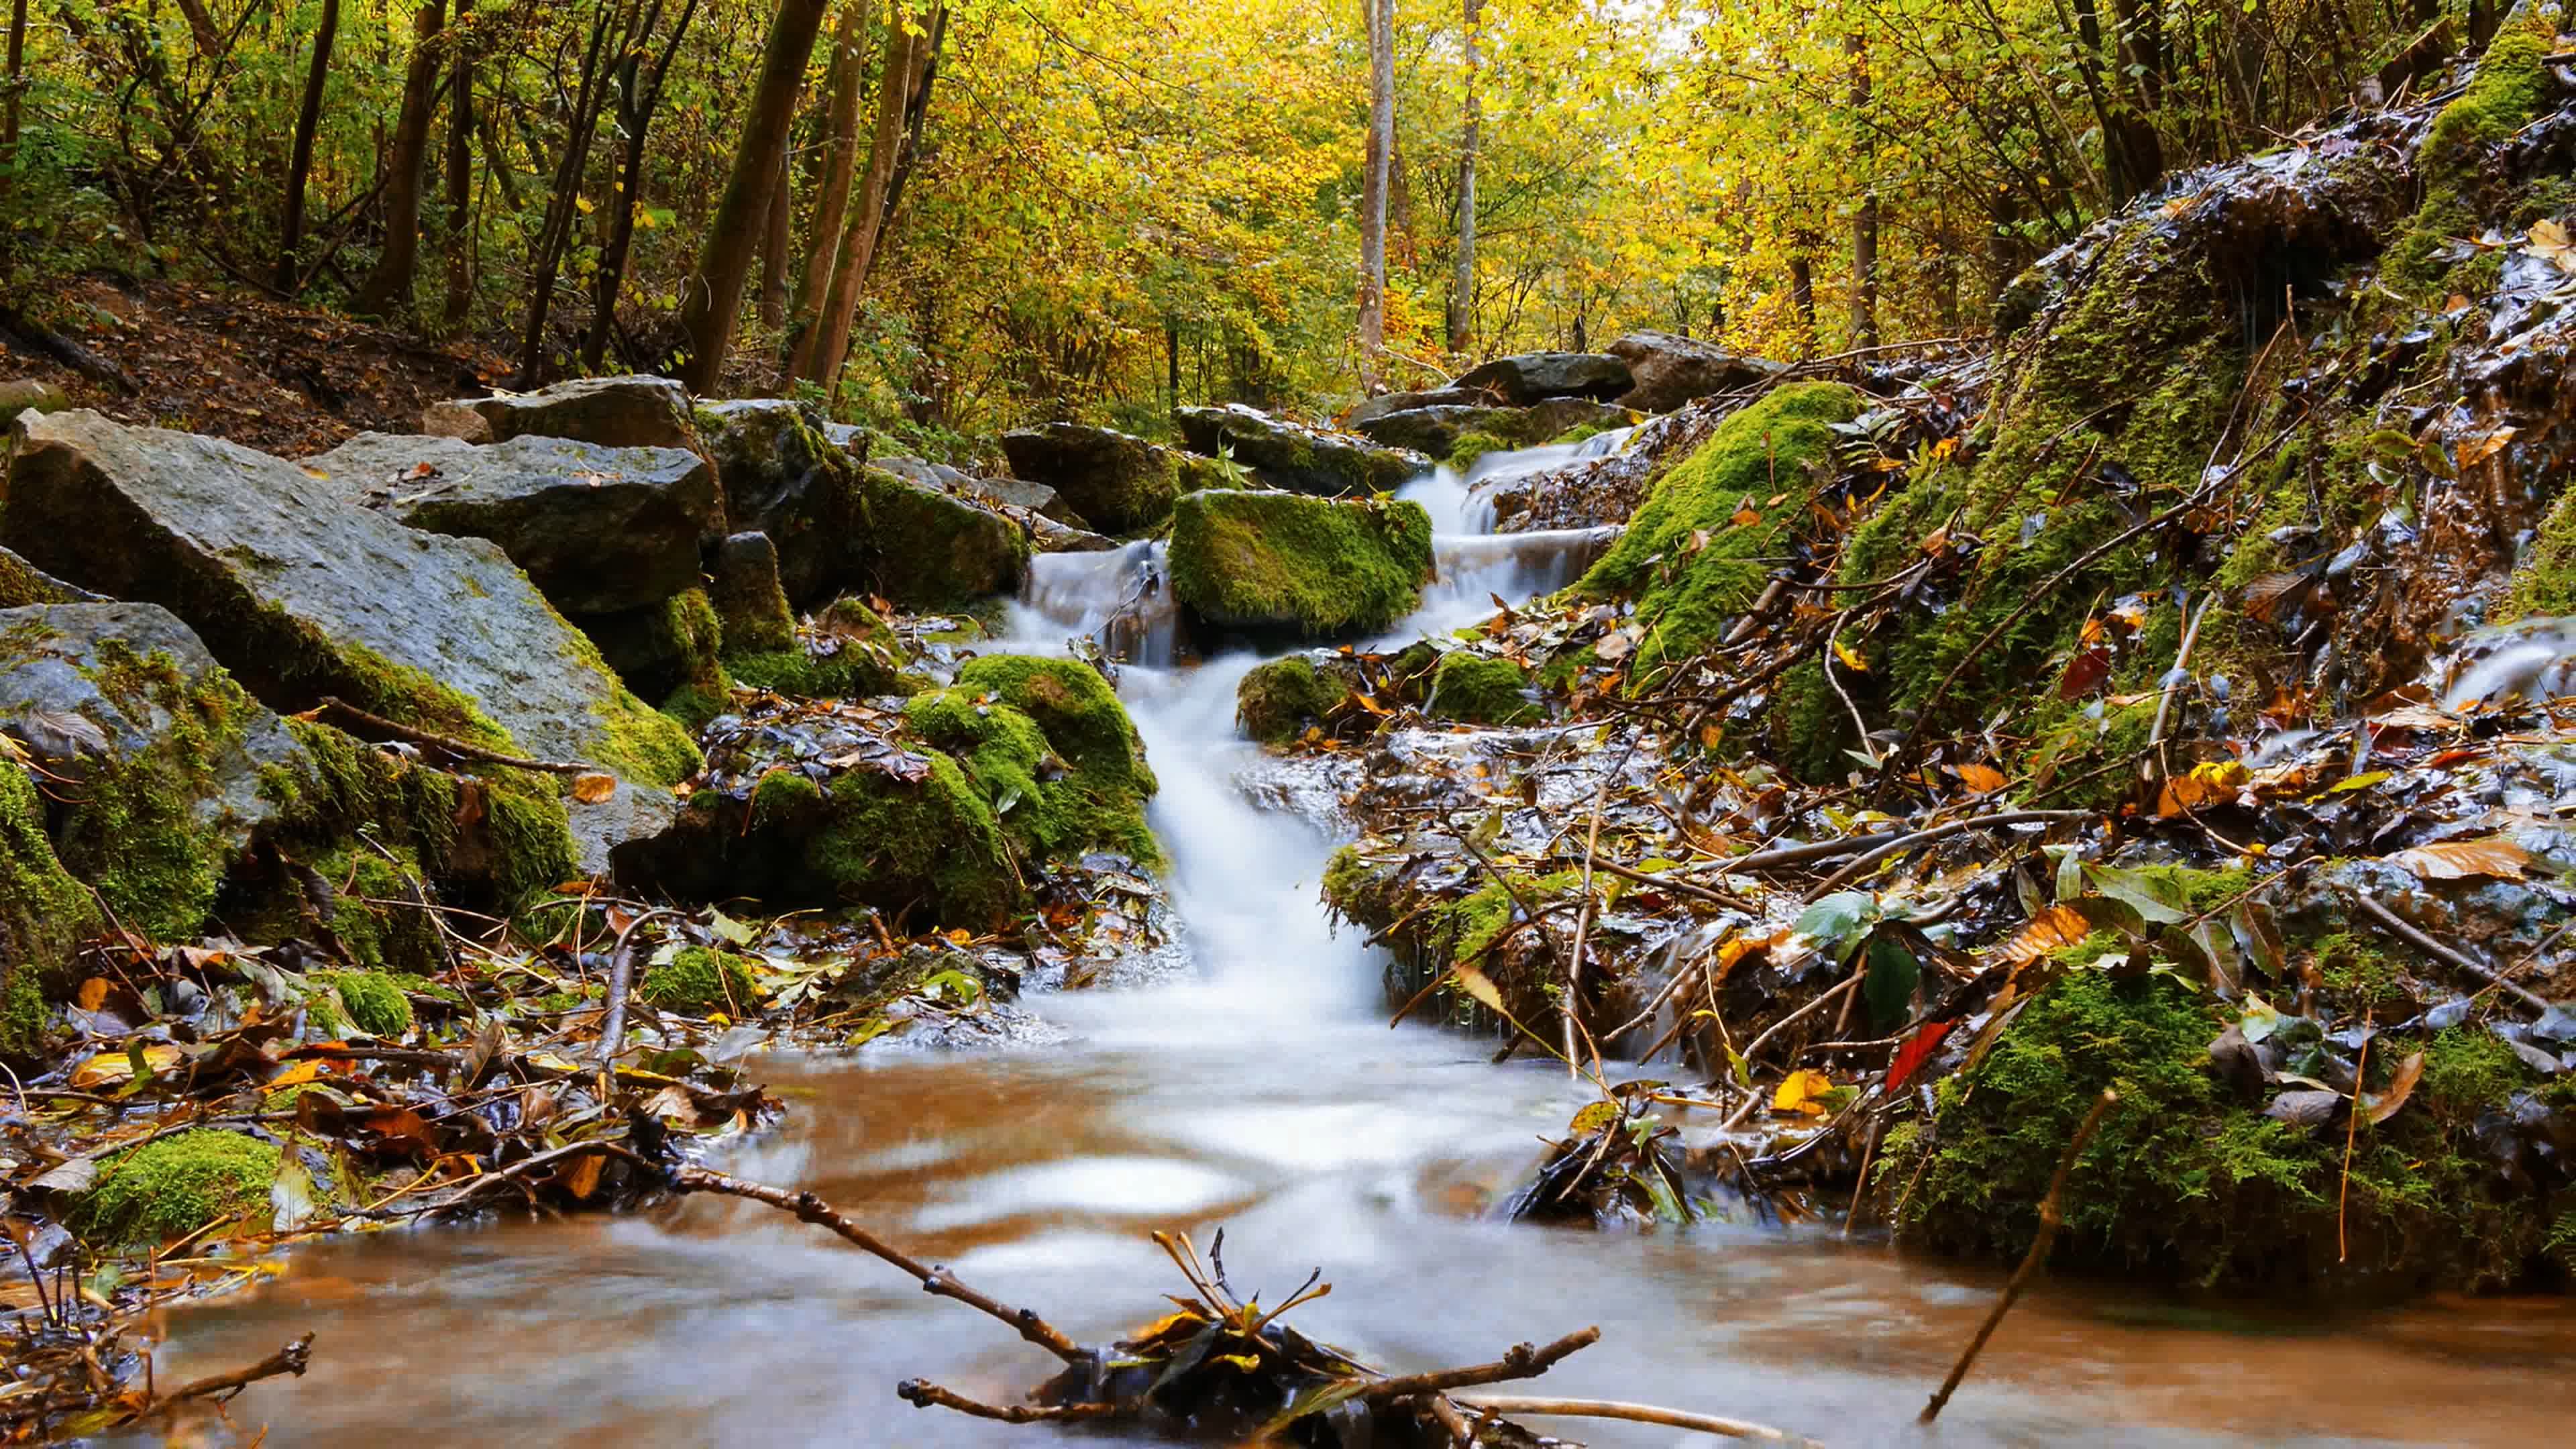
[1917, 1050]
[2084, 673]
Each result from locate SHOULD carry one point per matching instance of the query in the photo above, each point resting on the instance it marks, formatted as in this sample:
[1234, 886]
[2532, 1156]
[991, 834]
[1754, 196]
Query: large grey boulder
[1434, 431]
[302, 595]
[1386, 403]
[614, 412]
[1671, 371]
[1537, 376]
[598, 529]
[1113, 480]
[1292, 456]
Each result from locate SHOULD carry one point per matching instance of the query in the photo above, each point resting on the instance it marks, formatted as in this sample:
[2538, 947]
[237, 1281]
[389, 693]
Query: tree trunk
[1802, 287]
[290, 227]
[639, 100]
[714, 298]
[773, 247]
[916, 111]
[1462, 285]
[1373, 192]
[841, 303]
[554, 234]
[387, 289]
[1864, 301]
[841, 163]
[460, 181]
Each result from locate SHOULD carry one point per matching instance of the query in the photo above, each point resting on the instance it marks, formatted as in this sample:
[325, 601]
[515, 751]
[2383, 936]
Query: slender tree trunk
[639, 100]
[841, 303]
[1802, 287]
[714, 297]
[916, 112]
[1864, 302]
[290, 227]
[1373, 191]
[387, 289]
[1462, 286]
[554, 234]
[774, 243]
[840, 164]
[460, 181]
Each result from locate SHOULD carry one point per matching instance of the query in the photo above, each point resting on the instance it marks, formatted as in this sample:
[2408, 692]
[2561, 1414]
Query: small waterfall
[1121, 599]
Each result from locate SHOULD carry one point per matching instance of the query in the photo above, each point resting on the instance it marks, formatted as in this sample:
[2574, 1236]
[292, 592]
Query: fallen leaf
[1478, 985]
[2053, 929]
[1981, 779]
[1802, 1093]
[2385, 1105]
[2473, 451]
[1850, 658]
[593, 788]
[2491, 855]
[1916, 1051]
[108, 1068]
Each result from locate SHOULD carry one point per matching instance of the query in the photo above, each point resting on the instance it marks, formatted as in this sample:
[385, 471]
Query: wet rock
[1481, 689]
[1387, 403]
[1278, 701]
[24, 394]
[302, 595]
[614, 412]
[1670, 371]
[751, 607]
[1434, 431]
[1606, 489]
[22, 583]
[1537, 376]
[1305, 567]
[1114, 481]
[598, 529]
[1017, 493]
[1048, 536]
[44, 915]
[663, 647]
[1297, 458]
[933, 549]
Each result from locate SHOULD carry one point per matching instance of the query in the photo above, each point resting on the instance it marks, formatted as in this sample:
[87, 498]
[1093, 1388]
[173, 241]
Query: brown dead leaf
[2400, 1087]
[2059, 926]
[2474, 451]
[2491, 855]
[581, 1178]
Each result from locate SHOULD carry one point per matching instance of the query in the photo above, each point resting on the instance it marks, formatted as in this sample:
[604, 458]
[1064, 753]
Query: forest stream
[1265, 1094]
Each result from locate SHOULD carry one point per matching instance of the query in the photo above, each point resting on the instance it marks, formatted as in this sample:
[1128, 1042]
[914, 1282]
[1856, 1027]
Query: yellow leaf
[2060, 925]
[1478, 985]
[1593, 1118]
[2474, 451]
[1800, 1091]
[593, 788]
[582, 204]
[960, 936]
[108, 1068]
[294, 1076]
[1982, 779]
[1850, 658]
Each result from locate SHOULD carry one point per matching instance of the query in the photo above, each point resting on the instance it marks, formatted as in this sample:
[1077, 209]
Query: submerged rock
[598, 529]
[1670, 371]
[614, 412]
[1537, 376]
[1114, 481]
[1310, 567]
[1297, 458]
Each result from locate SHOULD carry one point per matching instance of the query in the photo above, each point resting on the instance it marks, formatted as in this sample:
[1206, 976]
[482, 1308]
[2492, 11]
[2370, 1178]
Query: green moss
[371, 1001]
[783, 795]
[175, 1186]
[1473, 687]
[374, 915]
[1312, 566]
[2545, 581]
[1579, 433]
[929, 550]
[698, 981]
[2507, 91]
[1472, 446]
[2186, 1182]
[894, 843]
[852, 654]
[1686, 595]
[1276, 701]
[44, 913]
[641, 743]
[1053, 749]
[22, 584]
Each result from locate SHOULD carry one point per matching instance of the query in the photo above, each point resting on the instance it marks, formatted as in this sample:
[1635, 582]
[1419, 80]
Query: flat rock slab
[1537, 376]
[1671, 371]
[598, 529]
[301, 594]
[614, 412]
[1297, 458]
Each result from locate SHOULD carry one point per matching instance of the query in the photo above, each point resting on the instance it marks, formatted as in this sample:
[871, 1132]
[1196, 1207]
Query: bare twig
[291, 1359]
[921, 1394]
[809, 1208]
[1832, 994]
[2404, 930]
[1672, 882]
[1572, 1002]
[1523, 1361]
[2050, 1216]
[621, 981]
[459, 748]
[1904, 843]
[1636, 1414]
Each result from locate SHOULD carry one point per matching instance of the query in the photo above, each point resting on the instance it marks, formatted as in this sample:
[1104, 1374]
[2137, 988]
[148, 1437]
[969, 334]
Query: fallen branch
[1675, 883]
[2404, 930]
[453, 746]
[1904, 843]
[936, 1281]
[922, 1394]
[1635, 1414]
[1523, 1361]
[2050, 1216]
[621, 981]
[291, 1359]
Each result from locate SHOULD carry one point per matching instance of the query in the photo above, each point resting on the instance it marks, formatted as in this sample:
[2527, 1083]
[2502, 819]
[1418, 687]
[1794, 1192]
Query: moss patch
[1686, 596]
[43, 915]
[1472, 687]
[1308, 566]
[371, 1001]
[165, 1189]
[1472, 446]
[2502, 97]
[2545, 583]
[893, 843]
[698, 981]
[1053, 749]
[1275, 702]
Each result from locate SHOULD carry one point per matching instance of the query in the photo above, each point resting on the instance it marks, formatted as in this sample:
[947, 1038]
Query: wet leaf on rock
[2492, 855]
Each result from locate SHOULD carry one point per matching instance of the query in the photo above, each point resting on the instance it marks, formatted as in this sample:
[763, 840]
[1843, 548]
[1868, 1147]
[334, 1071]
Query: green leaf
[2154, 897]
[1889, 986]
[1837, 921]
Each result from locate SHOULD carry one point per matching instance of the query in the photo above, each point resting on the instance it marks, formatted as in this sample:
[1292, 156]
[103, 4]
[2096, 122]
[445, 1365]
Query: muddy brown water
[1266, 1096]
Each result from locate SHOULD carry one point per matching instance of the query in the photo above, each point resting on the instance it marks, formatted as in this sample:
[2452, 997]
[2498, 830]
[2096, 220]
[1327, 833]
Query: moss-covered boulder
[931, 549]
[614, 412]
[700, 981]
[1279, 701]
[372, 1002]
[1434, 911]
[1531, 377]
[303, 597]
[1480, 689]
[1112, 480]
[666, 647]
[1687, 591]
[750, 604]
[1281, 454]
[44, 913]
[598, 530]
[176, 1185]
[1286, 564]
[849, 653]
[2188, 1181]
[1050, 745]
